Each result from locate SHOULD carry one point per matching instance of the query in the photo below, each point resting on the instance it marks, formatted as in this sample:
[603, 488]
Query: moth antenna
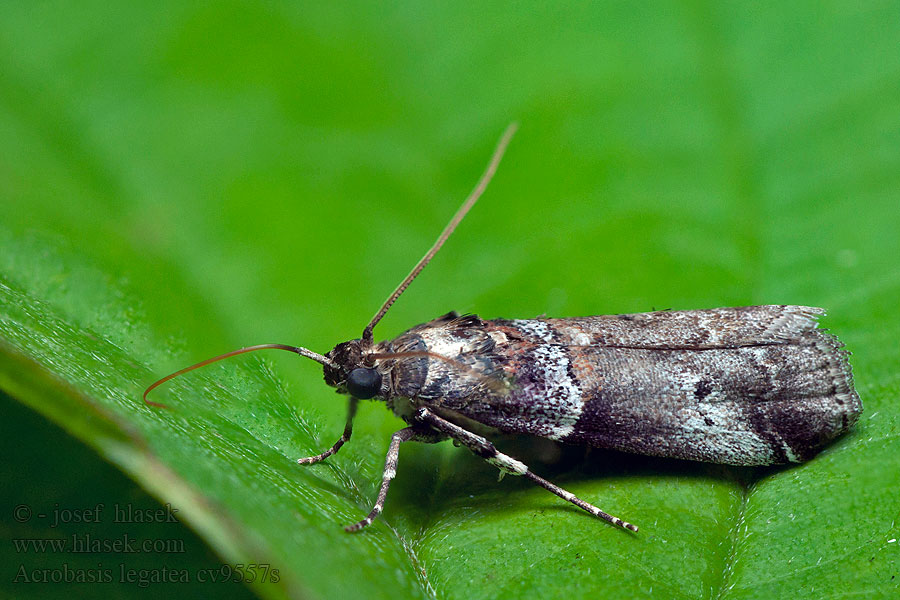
[495, 383]
[296, 349]
[476, 193]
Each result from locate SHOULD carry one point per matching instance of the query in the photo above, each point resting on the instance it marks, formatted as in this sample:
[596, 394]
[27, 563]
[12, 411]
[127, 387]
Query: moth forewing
[744, 386]
[751, 385]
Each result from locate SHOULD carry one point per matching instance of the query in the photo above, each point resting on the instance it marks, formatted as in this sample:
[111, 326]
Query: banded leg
[390, 471]
[507, 464]
[348, 430]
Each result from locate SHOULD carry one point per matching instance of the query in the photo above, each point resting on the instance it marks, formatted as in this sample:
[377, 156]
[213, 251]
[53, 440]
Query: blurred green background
[179, 179]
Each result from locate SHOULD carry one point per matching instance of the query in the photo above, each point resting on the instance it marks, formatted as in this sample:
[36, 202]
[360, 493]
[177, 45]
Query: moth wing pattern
[745, 386]
[666, 329]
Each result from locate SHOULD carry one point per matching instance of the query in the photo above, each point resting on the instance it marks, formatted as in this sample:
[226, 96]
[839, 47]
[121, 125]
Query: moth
[752, 385]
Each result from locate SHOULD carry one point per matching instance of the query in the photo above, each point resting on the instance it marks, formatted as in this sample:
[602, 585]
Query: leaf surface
[184, 179]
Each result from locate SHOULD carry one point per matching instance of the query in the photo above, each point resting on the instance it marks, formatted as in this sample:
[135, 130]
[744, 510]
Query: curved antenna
[296, 349]
[367, 337]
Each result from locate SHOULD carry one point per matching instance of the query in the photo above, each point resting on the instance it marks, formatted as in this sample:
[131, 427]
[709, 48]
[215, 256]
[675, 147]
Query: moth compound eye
[364, 383]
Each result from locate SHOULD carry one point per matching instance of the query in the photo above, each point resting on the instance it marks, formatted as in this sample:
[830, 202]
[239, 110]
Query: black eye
[364, 383]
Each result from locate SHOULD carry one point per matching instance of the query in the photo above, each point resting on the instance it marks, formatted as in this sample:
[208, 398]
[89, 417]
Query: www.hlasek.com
[85, 543]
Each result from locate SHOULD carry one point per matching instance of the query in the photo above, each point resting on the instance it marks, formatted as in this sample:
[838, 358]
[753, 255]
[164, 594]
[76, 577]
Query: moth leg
[390, 470]
[348, 430]
[507, 464]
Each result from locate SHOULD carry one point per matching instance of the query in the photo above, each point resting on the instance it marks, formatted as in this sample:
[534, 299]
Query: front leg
[507, 464]
[348, 431]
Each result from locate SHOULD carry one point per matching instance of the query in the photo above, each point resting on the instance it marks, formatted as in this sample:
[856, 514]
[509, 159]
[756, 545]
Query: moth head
[349, 373]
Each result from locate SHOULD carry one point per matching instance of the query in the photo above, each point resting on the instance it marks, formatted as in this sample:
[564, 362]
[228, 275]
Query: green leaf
[182, 179]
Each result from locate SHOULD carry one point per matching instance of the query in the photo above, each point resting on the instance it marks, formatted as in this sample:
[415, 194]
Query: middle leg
[390, 469]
